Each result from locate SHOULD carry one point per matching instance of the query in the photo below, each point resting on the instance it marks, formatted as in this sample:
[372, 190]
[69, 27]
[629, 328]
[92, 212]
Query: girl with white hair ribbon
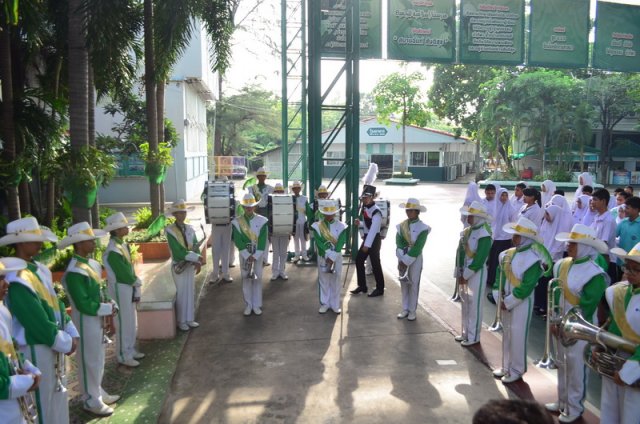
[41, 327]
[471, 270]
[411, 236]
[583, 283]
[520, 268]
[89, 304]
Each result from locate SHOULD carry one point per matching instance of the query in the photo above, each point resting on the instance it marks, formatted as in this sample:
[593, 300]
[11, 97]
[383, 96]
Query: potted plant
[150, 246]
[59, 264]
[91, 168]
[156, 163]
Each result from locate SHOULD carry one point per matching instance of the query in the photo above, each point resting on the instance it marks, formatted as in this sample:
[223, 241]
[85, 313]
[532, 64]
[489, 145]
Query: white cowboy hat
[278, 188]
[26, 230]
[634, 253]
[582, 234]
[261, 171]
[8, 265]
[329, 207]
[322, 189]
[81, 231]
[180, 206]
[524, 228]
[248, 200]
[115, 221]
[413, 204]
[296, 184]
[476, 209]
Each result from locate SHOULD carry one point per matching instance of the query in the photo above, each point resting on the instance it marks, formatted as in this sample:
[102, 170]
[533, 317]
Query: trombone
[497, 322]
[455, 297]
[249, 265]
[554, 317]
[27, 402]
[60, 370]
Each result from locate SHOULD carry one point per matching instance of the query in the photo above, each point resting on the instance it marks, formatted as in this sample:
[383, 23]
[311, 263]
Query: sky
[254, 60]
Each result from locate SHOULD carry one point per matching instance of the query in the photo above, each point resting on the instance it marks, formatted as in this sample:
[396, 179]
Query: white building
[190, 88]
[432, 155]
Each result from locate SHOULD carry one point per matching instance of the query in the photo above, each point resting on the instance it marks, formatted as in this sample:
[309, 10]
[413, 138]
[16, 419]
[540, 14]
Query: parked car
[239, 172]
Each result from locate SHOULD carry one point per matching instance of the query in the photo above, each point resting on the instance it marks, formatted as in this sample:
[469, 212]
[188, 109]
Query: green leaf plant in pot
[156, 163]
[91, 168]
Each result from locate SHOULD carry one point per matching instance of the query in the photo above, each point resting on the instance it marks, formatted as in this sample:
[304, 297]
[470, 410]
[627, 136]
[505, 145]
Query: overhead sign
[617, 44]
[422, 30]
[492, 32]
[558, 38]
[333, 28]
[377, 131]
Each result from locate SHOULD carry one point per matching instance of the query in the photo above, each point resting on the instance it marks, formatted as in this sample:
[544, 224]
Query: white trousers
[411, 289]
[572, 377]
[252, 289]
[515, 330]
[220, 249]
[10, 412]
[265, 255]
[90, 357]
[185, 294]
[53, 407]
[472, 305]
[126, 321]
[279, 245]
[330, 284]
[619, 404]
[299, 241]
[232, 253]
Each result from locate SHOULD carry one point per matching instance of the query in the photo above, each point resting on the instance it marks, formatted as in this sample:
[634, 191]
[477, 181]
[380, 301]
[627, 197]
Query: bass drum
[385, 207]
[219, 203]
[281, 210]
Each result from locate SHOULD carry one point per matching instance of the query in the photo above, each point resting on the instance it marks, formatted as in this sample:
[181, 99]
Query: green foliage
[558, 175]
[61, 260]
[61, 294]
[162, 157]
[142, 237]
[406, 175]
[400, 94]
[143, 218]
[90, 167]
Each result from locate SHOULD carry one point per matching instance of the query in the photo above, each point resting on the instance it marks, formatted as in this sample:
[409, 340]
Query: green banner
[558, 38]
[492, 32]
[423, 30]
[617, 31]
[334, 28]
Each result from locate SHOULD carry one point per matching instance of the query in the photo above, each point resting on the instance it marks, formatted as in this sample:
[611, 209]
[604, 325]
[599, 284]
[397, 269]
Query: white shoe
[284, 277]
[138, 355]
[368, 273]
[183, 327]
[266, 264]
[460, 338]
[130, 363]
[507, 379]
[568, 418]
[337, 311]
[323, 309]
[227, 279]
[468, 343]
[553, 407]
[403, 314]
[193, 324]
[305, 258]
[257, 311]
[101, 410]
[247, 311]
[411, 316]
[499, 373]
[274, 277]
[109, 399]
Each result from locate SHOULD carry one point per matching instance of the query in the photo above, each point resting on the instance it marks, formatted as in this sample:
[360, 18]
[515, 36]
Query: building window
[334, 155]
[424, 159]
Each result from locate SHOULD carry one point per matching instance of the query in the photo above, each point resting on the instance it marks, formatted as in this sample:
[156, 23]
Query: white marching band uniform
[299, 237]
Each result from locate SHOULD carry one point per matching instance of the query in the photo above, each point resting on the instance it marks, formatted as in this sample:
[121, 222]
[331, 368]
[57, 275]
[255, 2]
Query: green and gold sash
[563, 274]
[619, 314]
[325, 232]
[38, 286]
[406, 233]
[245, 226]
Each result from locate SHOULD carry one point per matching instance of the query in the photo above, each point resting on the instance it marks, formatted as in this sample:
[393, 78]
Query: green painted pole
[285, 96]
[315, 99]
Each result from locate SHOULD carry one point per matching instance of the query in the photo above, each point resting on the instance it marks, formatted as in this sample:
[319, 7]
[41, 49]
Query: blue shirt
[629, 233]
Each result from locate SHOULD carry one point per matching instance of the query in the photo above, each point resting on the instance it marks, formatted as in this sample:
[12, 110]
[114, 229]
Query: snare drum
[281, 209]
[385, 208]
[219, 203]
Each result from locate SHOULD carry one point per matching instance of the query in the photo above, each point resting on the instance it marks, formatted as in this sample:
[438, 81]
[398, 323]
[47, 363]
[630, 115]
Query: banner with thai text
[617, 36]
[422, 30]
[492, 32]
[558, 38]
[334, 28]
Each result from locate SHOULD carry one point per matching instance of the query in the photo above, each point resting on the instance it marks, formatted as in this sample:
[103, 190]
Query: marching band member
[261, 192]
[620, 403]
[299, 235]
[279, 245]
[221, 248]
[520, 269]
[329, 237]
[41, 326]
[124, 288]
[183, 244]
[471, 270]
[411, 235]
[89, 304]
[370, 247]
[250, 232]
[583, 284]
[14, 382]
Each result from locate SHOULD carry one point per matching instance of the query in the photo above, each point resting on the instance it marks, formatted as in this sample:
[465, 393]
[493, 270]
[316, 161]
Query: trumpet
[403, 269]
[27, 402]
[497, 322]
[554, 316]
[180, 266]
[106, 323]
[61, 372]
[455, 297]
[249, 265]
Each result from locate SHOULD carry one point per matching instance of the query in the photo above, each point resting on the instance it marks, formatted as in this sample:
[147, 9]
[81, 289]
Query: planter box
[56, 276]
[154, 251]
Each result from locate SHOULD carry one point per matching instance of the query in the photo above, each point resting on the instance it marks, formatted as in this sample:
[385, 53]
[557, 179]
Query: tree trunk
[217, 135]
[7, 123]
[151, 103]
[24, 193]
[78, 89]
[604, 158]
[160, 111]
[91, 124]
[51, 201]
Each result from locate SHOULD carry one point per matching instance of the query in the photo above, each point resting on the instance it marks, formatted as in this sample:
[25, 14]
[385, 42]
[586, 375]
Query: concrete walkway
[293, 364]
